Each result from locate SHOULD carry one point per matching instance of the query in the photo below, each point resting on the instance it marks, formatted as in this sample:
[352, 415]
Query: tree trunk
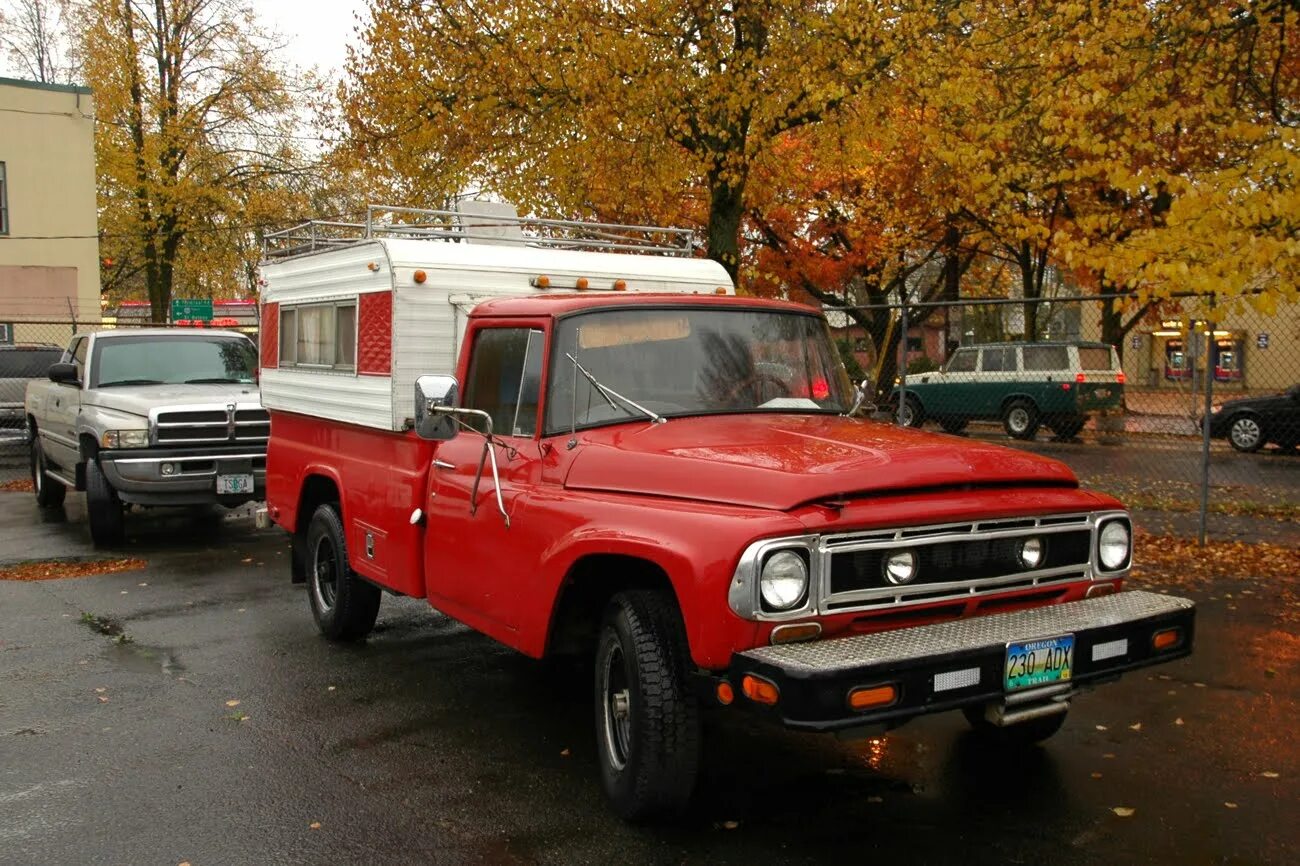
[726, 202]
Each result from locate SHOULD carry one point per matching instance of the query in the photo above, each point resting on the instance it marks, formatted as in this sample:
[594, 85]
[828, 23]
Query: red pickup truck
[673, 479]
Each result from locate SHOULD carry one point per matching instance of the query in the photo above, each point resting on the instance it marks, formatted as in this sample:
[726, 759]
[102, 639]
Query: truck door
[472, 559]
[63, 403]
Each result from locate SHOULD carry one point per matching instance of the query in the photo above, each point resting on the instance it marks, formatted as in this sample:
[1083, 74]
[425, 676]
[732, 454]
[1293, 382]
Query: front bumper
[137, 476]
[960, 663]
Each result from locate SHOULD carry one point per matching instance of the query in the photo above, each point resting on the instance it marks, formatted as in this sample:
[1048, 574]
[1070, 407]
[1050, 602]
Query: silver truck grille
[207, 425]
[953, 560]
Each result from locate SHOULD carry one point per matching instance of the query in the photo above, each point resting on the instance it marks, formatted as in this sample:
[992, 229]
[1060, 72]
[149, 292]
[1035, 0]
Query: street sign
[191, 309]
[6, 334]
[1261, 339]
[1135, 341]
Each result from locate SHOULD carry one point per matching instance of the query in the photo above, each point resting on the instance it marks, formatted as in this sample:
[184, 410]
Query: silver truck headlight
[1030, 553]
[900, 567]
[1114, 545]
[784, 581]
[125, 439]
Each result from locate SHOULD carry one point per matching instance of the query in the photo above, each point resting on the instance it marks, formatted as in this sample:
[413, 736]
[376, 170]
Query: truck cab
[676, 484]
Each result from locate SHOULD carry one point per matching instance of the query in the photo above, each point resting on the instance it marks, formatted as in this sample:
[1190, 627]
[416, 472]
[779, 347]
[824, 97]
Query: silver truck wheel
[49, 494]
[1020, 419]
[103, 508]
[647, 719]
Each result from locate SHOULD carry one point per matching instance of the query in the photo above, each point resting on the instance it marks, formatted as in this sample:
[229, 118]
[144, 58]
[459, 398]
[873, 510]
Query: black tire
[647, 718]
[1020, 419]
[103, 508]
[953, 425]
[49, 493]
[1013, 736]
[1068, 426]
[344, 605]
[1246, 433]
[910, 413]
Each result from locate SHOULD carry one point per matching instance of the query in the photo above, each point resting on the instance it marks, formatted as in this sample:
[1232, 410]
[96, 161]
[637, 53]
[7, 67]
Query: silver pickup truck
[148, 417]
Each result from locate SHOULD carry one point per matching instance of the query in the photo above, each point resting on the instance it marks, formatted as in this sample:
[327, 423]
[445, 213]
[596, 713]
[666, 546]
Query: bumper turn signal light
[1167, 639]
[759, 690]
[872, 697]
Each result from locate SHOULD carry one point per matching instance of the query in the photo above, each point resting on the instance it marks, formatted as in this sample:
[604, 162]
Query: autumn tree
[196, 143]
[656, 108]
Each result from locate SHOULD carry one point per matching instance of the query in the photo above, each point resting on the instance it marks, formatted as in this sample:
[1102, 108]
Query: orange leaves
[1167, 559]
[57, 570]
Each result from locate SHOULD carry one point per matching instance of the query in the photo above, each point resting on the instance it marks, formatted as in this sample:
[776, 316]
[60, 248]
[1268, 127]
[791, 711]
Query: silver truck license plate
[234, 484]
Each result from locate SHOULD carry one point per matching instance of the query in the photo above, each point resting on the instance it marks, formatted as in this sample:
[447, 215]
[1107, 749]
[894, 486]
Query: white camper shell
[348, 323]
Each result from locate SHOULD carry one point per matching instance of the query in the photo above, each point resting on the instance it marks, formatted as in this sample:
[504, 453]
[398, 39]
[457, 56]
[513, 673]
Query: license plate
[234, 484]
[1038, 662]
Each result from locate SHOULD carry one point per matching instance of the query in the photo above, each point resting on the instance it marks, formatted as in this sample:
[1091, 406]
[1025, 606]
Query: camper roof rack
[479, 223]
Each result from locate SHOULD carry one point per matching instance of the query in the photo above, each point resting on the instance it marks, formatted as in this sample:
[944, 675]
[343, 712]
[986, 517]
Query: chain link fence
[27, 349]
[1118, 394]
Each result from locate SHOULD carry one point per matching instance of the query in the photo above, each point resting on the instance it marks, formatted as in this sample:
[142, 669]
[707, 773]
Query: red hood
[782, 461]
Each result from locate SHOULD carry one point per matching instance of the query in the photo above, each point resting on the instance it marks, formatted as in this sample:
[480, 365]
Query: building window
[319, 336]
[4, 201]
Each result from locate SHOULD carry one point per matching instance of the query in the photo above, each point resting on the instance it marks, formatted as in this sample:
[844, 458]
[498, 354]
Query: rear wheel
[344, 605]
[1068, 427]
[1018, 735]
[910, 413]
[1246, 433]
[49, 493]
[647, 719]
[953, 425]
[1020, 419]
[103, 508]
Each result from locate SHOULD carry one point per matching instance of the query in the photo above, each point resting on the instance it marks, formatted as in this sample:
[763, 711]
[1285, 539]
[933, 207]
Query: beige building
[49, 249]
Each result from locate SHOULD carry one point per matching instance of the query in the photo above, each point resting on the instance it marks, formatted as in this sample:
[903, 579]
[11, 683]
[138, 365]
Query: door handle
[443, 464]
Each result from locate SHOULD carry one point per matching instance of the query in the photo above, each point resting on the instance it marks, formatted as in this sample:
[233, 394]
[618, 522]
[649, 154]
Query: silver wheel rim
[616, 699]
[1018, 420]
[324, 580]
[1245, 433]
[905, 415]
[37, 471]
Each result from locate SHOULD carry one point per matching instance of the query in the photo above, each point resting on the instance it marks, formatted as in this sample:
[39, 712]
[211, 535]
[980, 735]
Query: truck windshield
[694, 361]
[178, 360]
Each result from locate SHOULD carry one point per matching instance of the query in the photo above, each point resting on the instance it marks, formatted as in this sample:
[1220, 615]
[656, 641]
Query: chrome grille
[953, 560]
[206, 425]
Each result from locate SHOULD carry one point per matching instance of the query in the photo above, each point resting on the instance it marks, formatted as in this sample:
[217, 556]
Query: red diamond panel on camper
[375, 334]
[270, 335]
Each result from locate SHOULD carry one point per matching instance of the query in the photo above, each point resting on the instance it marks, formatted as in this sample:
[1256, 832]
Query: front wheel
[910, 413]
[104, 508]
[1245, 433]
[345, 606]
[1068, 427]
[49, 494]
[1014, 736]
[1020, 419]
[647, 720]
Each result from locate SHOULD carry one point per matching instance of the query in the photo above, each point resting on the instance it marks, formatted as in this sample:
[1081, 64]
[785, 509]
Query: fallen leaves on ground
[1124, 811]
[314, 825]
[1171, 560]
[54, 569]
[19, 485]
[232, 703]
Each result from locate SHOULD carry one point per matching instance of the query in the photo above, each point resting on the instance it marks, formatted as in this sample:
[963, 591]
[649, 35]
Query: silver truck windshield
[178, 360]
[694, 361]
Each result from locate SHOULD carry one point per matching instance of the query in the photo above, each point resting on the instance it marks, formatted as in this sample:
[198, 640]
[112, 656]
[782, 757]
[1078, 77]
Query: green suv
[1023, 385]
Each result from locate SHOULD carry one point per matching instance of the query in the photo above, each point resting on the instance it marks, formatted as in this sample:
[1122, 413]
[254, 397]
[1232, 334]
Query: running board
[71, 485]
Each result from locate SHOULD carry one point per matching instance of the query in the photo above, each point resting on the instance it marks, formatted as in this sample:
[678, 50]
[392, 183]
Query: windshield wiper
[611, 395]
[131, 382]
[218, 381]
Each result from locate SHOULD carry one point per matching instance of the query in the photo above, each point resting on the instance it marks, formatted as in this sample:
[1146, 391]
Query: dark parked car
[18, 366]
[1251, 422]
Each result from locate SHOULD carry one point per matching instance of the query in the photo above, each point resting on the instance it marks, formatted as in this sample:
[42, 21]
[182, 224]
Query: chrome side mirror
[862, 398]
[431, 392]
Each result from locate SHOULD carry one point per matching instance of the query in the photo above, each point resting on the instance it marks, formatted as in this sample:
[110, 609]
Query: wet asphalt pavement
[431, 744]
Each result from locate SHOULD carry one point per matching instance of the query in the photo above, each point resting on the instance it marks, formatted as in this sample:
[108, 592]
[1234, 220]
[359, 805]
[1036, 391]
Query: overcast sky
[317, 32]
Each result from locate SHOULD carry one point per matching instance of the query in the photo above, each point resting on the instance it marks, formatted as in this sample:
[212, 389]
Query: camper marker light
[541, 281]
[620, 285]
[581, 284]
[420, 276]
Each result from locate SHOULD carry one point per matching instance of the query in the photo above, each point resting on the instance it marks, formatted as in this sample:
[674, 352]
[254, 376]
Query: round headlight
[900, 567]
[1030, 552]
[784, 580]
[1113, 545]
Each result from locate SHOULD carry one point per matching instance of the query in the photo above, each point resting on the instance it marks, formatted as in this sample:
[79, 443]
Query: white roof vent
[489, 222]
